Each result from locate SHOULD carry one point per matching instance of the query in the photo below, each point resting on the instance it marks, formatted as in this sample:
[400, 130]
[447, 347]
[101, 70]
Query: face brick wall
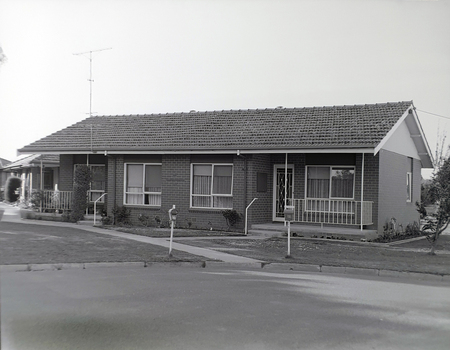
[261, 210]
[66, 172]
[176, 177]
[371, 178]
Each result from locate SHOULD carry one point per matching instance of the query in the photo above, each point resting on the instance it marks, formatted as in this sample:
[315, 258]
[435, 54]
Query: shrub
[36, 197]
[391, 234]
[144, 220]
[121, 215]
[82, 180]
[107, 220]
[231, 216]
[11, 186]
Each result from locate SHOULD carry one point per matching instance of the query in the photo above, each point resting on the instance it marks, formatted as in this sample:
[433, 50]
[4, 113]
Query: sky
[181, 55]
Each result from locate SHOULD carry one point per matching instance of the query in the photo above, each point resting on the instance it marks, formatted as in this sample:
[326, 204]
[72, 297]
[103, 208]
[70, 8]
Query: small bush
[231, 216]
[107, 220]
[390, 234]
[11, 186]
[121, 215]
[36, 197]
[144, 220]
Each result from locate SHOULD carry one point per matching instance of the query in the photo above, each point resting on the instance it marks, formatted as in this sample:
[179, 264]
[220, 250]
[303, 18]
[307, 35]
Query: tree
[11, 186]
[81, 185]
[439, 221]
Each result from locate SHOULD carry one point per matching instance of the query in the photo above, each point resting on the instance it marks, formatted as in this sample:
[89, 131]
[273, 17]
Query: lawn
[409, 256]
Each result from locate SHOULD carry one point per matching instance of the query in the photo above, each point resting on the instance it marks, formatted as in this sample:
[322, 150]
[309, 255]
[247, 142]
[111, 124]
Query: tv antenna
[90, 72]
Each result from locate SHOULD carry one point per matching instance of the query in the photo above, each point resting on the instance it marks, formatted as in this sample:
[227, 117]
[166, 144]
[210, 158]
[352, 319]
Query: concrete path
[12, 214]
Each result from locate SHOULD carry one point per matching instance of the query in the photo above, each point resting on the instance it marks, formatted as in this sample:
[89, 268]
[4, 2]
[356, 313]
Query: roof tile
[295, 128]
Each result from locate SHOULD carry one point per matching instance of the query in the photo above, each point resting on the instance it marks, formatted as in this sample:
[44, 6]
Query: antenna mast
[90, 73]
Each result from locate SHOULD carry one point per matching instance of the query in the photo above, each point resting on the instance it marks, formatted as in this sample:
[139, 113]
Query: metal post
[289, 240]
[172, 217]
[41, 187]
[362, 190]
[171, 237]
[246, 219]
[95, 206]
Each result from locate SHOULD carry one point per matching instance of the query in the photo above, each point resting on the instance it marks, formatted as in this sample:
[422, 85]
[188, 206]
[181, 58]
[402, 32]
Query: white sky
[174, 56]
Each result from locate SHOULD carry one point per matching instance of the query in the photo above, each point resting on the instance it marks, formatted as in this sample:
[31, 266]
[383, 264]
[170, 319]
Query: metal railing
[333, 211]
[58, 200]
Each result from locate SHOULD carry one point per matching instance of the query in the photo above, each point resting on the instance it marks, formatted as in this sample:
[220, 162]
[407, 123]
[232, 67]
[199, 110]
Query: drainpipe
[362, 190]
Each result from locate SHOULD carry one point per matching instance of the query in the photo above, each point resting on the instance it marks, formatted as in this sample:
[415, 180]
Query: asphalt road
[216, 308]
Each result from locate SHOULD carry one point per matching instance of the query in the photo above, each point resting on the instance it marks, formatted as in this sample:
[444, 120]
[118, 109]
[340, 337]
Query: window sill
[208, 210]
[142, 206]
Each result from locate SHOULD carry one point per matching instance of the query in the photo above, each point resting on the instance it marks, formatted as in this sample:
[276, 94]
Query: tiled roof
[280, 128]
[34, 160]
[3, 163]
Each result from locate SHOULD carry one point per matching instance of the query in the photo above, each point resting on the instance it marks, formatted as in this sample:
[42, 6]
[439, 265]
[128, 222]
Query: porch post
[41, 186]
[285, 179]
[285, 183]
[362, 189]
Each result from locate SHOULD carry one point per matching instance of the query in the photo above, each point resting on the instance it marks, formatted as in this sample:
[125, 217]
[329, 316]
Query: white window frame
[409, 187]
[326, 201]
[143, 186]
[212, 195]
[330, 182]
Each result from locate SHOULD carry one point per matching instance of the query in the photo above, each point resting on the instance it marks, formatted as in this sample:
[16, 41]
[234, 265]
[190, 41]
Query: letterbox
[289, 213]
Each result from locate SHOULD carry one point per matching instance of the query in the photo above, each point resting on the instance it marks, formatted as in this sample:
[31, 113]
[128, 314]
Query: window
[330, 182]
[211, 186]
[408, 187]
[409, 180]
[143, 184]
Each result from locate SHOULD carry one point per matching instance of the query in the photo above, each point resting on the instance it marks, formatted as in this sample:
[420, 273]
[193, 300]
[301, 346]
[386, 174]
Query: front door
[281, 197]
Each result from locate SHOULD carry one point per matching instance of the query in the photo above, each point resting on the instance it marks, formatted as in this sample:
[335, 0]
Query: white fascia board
[228, 151]
[392, 131]
[422, 135]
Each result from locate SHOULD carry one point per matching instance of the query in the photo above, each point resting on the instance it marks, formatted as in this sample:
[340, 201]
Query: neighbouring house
[4, 174]
[356, 165]
[39, 172]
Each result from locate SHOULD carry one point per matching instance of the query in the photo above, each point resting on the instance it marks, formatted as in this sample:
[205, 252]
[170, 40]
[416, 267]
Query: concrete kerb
[219, 264]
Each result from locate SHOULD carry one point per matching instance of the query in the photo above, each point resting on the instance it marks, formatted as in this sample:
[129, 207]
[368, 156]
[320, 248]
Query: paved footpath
[12, 214]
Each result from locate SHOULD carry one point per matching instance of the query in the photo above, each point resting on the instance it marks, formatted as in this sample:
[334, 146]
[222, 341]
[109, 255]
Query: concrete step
[89, 220]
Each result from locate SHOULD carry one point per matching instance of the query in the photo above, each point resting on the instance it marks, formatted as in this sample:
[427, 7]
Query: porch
[62, 200]
[330, 211]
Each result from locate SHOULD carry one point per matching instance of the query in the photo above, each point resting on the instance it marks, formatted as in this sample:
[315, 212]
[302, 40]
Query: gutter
[203, 151]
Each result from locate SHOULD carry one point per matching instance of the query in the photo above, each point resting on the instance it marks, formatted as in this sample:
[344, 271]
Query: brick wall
[176, 177]
[66, 172]
[392, 191]
[371, 179]
[261, 209]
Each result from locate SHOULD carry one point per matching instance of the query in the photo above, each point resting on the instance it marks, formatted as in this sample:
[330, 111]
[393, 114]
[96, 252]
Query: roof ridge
[278, 108]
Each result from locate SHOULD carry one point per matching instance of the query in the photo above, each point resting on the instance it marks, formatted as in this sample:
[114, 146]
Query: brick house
[32, 169]
[344, 165]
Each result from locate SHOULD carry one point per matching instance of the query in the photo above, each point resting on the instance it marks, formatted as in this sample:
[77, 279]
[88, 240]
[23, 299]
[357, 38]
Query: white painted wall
[401, 142]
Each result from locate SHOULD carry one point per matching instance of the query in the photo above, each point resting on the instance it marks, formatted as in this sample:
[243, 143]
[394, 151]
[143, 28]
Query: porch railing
[333, 211]
[62, 200]
[58, 200]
